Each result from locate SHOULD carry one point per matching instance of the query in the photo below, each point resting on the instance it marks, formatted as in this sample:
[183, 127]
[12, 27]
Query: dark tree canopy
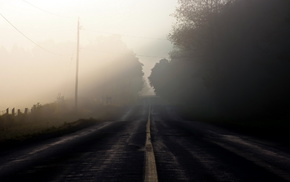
[238, 51]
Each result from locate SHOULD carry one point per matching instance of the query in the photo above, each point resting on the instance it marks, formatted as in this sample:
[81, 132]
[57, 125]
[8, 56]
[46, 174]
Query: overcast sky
[142, 24]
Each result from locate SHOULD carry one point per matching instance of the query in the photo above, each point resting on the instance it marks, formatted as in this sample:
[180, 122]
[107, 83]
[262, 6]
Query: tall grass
[51, 117]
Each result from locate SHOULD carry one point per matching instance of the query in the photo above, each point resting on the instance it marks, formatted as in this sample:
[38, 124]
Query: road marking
[150, 164]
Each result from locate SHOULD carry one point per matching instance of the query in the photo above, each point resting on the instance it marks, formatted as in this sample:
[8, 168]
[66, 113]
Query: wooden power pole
[77, 65]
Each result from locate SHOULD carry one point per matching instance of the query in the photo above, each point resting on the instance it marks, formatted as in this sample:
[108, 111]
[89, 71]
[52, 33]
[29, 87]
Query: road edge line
[150, 163]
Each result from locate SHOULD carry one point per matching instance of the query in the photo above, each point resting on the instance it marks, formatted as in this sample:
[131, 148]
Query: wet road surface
[195, 151]
[118, 151]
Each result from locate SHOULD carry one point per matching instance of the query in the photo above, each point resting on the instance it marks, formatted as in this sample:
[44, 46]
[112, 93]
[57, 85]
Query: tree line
[231, 59]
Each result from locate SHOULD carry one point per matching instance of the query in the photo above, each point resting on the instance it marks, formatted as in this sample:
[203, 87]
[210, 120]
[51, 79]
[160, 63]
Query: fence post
[13, 112]
[18, 112]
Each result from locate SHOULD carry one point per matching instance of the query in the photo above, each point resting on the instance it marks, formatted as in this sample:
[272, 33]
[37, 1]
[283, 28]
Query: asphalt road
[171, 149]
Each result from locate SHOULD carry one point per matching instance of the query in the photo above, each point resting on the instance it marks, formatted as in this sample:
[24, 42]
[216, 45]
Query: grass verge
[22, 139]
[25, 129]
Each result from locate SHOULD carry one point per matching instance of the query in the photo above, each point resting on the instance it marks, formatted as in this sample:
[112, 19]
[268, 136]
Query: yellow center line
[150, 163]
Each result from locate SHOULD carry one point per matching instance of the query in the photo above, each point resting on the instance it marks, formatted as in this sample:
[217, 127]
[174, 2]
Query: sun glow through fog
[43, 70]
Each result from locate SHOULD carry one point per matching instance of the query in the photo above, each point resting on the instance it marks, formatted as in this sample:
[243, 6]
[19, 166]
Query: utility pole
[77, 66]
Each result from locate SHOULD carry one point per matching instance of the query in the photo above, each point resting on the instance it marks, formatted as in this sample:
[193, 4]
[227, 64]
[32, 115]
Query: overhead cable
[19, 31]
[43, 10]
[126, 35]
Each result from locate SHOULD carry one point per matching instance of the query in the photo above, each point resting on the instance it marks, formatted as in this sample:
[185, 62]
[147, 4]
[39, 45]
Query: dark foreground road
[121, 151]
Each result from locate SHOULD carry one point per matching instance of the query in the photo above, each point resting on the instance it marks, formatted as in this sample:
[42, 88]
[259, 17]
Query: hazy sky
[142, 24]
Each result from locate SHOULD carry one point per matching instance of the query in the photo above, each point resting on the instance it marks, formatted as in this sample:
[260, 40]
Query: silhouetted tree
[160, 77]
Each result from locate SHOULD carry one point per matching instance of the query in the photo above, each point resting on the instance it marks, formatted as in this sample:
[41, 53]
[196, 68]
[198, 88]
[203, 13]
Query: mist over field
[39, 45]
[33, 76]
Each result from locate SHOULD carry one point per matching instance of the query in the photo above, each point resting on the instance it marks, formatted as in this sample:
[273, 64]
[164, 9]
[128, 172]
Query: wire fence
[14, 111]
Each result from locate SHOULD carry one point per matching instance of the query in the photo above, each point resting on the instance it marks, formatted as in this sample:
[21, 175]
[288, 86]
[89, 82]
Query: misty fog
[38, 76]
[38, 49]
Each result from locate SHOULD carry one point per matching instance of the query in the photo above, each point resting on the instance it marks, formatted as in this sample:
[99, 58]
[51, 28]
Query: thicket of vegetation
[52, 119]
[231, 60]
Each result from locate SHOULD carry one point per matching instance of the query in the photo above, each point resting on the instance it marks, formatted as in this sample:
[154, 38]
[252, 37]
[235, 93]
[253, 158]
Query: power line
[38, 8]
[43, 10]
[126, 35]
[139, 37]
[25, 35]
[19, 31]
